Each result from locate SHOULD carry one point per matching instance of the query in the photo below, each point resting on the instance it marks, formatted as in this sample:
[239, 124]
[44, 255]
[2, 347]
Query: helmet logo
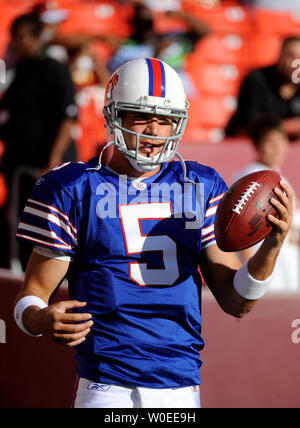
[111, 85]
[157, 78]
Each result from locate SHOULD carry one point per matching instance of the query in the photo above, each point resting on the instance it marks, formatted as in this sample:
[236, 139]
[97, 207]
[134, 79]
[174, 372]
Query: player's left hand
[284, 206]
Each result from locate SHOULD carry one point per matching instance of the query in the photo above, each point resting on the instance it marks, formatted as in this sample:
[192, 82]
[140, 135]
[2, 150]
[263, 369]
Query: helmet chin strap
[141, 167]
[147, 168]
[144, 168]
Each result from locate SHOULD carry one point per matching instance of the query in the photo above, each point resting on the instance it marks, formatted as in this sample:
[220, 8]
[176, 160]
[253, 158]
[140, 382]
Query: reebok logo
[98, 386]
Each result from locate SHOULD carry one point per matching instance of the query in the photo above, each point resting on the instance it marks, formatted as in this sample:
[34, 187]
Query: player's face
[288, 55]
[273, 149]
[147, 124]
[24, 44]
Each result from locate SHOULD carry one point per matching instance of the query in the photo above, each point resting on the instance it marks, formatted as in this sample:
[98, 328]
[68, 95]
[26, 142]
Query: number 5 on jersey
[136, 243]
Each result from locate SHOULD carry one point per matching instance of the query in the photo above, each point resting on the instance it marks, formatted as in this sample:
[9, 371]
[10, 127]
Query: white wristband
[249, 287]
[20, 307]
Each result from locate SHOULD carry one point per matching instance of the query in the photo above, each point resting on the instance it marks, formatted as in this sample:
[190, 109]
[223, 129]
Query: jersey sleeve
[212, 201]
[50, 218]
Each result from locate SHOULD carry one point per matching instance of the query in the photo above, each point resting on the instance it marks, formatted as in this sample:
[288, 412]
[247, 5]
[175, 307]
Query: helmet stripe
[157, 78]
[163, 79]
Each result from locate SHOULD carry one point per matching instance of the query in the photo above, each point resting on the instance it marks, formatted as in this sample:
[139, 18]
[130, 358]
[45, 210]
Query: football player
[131, 236]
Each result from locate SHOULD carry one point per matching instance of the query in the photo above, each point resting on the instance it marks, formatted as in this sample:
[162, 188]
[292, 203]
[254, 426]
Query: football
[241, 217]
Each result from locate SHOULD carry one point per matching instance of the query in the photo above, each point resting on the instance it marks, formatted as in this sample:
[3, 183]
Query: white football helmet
[149, 86]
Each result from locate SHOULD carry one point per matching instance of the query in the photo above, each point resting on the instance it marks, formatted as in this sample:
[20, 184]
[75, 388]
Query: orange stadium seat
[102, 49]
[9, 12]
[3, 190]
[225, 48]
[103, 18]
[281, 23]
[224, 18]
[265, 49]
[208, 116]
[212, 111]
[216, 78]
[91, 131]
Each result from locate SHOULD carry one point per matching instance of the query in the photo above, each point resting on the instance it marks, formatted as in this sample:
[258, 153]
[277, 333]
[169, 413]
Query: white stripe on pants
[90, 394]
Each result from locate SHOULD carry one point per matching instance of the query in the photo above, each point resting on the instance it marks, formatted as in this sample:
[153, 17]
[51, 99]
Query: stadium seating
[215, 110]
[208, 116]
[281, 23]
[224, 48]
[3, 190]
[9, 12]
[225, 19]
[264, 49]
[97, 17]
[241, 39]
[90, 131]
[216, 78]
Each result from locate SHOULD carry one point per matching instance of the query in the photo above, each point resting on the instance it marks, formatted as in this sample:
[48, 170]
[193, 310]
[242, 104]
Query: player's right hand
[61, 326]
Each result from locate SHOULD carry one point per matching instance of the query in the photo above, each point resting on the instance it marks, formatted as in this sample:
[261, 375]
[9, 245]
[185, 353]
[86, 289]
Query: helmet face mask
[128, 91]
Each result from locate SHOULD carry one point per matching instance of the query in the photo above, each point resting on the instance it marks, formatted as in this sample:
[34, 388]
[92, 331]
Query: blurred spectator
[37, 112]
[86, 67]
[271, 90]
[209, 3]
[54, 44]
[90, 76]
[271, 145]
[50, 17]
[171, 48]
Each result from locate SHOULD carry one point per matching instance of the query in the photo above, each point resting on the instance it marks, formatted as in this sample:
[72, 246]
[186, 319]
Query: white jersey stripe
[209, 237]
[52, 218]
[217, 198]
[55, 210]
[211, 211]
[48, 233]
[61, 246]
[207, 230]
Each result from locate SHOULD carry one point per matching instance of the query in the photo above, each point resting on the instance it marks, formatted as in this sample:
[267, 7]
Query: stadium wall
[232, 154]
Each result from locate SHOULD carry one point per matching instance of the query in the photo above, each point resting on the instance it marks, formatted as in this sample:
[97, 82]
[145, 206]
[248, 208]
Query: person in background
[37, 113]
[271, 90]
[57, 45]
[50, 17]
[86, 67]
[271, 144]
[171, 48]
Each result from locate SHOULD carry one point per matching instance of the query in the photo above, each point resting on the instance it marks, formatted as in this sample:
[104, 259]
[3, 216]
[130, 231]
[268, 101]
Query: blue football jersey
[135, 247]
